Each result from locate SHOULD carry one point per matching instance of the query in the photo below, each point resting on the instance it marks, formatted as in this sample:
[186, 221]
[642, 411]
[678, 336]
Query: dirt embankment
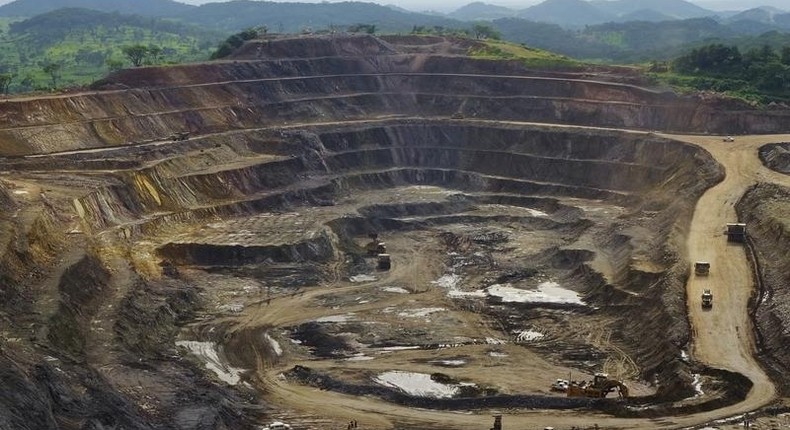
[764, 209]
[30, 241]
[90, 362]
[776, 156]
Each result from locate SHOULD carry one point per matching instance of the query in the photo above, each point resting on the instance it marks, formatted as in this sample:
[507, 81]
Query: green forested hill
[294, 17]
[155, 8]
[77, 46]
[632, 42]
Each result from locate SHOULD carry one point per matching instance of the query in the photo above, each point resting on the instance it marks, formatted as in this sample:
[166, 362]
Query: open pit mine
[330, 232]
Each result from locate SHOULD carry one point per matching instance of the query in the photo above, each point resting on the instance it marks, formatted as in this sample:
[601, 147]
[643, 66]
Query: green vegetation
[491, 47]
[234, 41]
[760, 74]
[635, 41]
[478, 31]
[153, 8]
[73, 47]
[362, 28]
[494, 49]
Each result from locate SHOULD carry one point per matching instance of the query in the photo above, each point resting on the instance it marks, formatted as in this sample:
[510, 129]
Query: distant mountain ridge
[579, 13]
[677, 9]
[61, 22]
[481, 11]
[237, 15]
[758, 14]
[568, 13]
[154, 8]
[295, 17]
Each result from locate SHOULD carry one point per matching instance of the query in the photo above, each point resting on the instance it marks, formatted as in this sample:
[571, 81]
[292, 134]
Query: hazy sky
[449, 5]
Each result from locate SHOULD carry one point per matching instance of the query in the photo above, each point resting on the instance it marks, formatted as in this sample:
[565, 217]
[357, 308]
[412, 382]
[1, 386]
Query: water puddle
[528, 336]
[416, 384]
[546, 292]
[274, 344]
[336, 318]
[360, 357]
[698, 385]
[449, 281]
[419, 313]
[449, 363]
[207, 352]
[396, 290]
[388, 349]
[233, 308]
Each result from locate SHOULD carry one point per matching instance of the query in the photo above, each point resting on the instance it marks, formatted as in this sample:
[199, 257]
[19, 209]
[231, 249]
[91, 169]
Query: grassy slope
[500, 50]
[84, 51]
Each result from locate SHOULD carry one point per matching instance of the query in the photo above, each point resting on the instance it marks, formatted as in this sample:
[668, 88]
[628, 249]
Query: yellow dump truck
[707, 299]
[701, 268]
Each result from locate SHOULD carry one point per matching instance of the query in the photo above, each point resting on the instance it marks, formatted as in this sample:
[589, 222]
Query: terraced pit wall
[764, 209]
[247, 93]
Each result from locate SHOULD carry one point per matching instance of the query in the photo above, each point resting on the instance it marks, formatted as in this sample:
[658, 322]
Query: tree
[485, 31]
[5, 82]
[154, 54]
[53, 69]
[114, 65]
[362, 28]
[786, 55]
[135, 53]
[715, 58]
[234, 41]
[26, 84]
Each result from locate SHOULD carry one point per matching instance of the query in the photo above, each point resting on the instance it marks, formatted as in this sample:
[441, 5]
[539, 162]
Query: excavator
[600, 386]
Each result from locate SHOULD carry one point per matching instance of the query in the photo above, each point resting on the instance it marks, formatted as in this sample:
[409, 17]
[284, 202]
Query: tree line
[761, 70]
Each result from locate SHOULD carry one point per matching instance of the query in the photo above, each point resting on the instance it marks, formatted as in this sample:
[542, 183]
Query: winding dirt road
[723, 335]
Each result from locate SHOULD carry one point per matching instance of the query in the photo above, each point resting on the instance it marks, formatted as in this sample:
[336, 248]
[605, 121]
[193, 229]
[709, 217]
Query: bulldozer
[600, 387]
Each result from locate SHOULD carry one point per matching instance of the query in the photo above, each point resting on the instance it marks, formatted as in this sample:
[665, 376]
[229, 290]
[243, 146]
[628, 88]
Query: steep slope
[763, 208]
